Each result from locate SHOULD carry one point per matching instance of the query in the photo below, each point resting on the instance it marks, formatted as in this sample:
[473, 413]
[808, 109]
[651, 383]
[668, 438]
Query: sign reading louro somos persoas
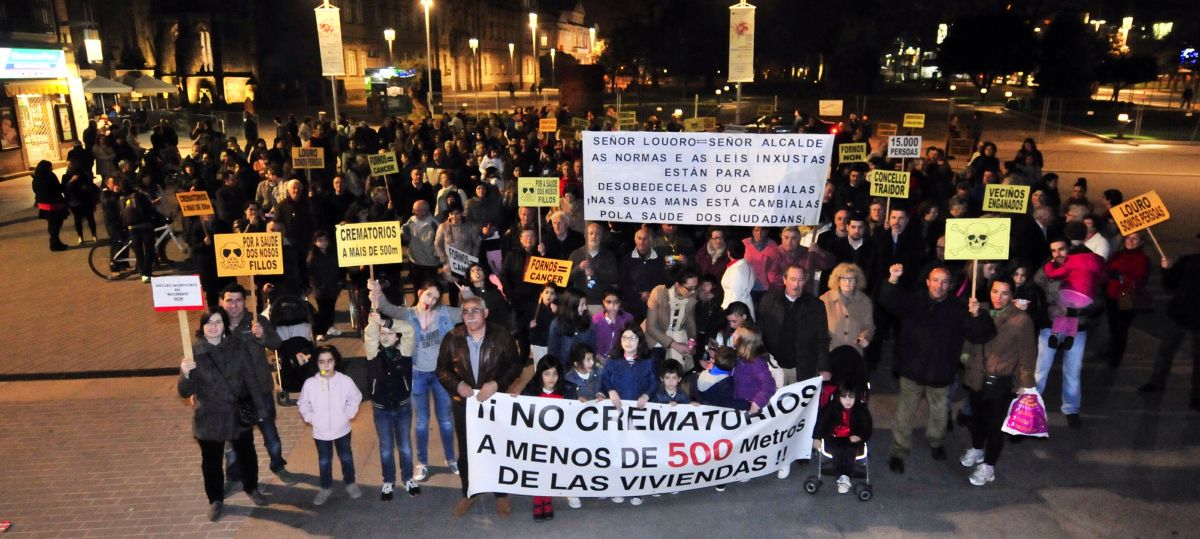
[705, 178]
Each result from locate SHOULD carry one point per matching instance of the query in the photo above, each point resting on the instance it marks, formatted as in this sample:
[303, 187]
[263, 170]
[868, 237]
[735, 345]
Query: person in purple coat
[753, 384]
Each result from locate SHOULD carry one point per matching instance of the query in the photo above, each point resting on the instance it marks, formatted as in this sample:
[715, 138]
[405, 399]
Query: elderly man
[476, 356]
[419, 234]
[594, 269]
[789, 253]
[641, 270]
[560, 240]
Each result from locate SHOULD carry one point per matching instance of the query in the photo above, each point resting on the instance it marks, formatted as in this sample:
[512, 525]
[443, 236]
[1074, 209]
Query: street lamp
[1122, 123]
[592, 40]
[552, 82]
[533, 42]
[512, 66]
[389, 35]
[474, 44]
[427, 4]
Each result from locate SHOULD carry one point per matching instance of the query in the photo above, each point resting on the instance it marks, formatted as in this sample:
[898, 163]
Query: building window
[206, 54]
[351, 62]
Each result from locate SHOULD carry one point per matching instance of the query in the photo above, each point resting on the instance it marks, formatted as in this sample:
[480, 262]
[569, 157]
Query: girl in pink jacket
[328, 402]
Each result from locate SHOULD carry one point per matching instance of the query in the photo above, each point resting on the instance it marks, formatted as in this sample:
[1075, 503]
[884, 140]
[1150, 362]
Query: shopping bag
[1027, 416]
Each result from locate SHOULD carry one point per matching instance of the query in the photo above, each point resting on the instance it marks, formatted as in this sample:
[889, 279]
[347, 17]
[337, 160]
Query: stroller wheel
[864, 493]
[812, 485]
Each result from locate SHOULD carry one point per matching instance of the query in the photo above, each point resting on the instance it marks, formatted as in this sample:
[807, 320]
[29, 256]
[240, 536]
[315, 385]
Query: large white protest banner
[739, 179]
[557, 447]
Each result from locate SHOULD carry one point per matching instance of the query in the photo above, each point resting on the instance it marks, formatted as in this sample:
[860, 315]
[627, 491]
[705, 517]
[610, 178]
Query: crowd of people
[652, 312]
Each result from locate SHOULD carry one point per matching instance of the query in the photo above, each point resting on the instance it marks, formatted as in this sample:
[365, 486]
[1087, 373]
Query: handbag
[1134, 300]
[1027, 416]
[247, 413]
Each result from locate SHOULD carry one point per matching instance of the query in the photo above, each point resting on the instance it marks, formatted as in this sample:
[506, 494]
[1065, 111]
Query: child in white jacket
[328, 402]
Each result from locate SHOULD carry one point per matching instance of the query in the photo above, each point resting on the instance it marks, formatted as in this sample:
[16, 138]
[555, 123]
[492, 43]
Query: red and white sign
[177, 293]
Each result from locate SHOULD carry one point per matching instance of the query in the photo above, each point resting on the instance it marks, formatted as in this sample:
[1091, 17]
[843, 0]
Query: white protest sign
[177, 293]
[904, 146]
[705, 178]
[829, 107]
[559, 447]
[460, 261]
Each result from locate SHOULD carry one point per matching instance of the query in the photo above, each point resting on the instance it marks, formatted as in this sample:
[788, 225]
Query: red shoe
[539, 512]
[548, 510]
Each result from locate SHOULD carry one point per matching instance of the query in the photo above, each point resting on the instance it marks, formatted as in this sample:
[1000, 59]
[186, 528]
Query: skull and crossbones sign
[976, 235]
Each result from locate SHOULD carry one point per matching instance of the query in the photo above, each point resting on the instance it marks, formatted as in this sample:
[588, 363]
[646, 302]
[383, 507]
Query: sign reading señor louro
[705, 178]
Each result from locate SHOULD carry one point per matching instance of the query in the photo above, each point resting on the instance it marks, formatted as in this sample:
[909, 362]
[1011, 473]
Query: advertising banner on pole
[329, 40]
[889, 183]
[705, 178]
[562, 447]
[741, 43]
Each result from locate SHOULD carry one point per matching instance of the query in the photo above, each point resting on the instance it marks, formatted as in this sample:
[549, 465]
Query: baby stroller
[292, 316]
[825, 466]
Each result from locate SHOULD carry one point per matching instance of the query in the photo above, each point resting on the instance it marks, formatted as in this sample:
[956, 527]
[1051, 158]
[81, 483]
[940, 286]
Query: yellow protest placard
[977, 239]
[383, 163]
[852, 153]
[547, 270]
[256, 253]
[547, 125]
[960, 147]
[194, 203]
[701, 123]
[1139, 212]
[365, 244]
[765, 110]
[889, 183]
[914, 120]
[627, 119]
[537, 192]
[567, 134]
[1005, 198]
[303, 158]
[580, 124]
[886, 130]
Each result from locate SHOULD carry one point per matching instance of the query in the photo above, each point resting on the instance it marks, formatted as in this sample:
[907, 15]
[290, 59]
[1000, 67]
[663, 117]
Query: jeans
[424, 384]
[325, 460]
[906, 407]
[271, 441]
[392, 426]
[210, 465]
[1072, 364]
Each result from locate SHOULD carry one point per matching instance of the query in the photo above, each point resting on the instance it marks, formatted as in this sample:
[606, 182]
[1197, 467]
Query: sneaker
[453, 467]
[286, 477]
[257, 497]
[896, 464]
[1067, 342]
[983, 475]
[843, 484]
[971, 458]
[574, 503]
[322, 496]
[333, 332]
[618, 499]
[636, 500]
[785, 471]
[353, 490]
[145, 278]
[412, 488]
[548, 510]
[1149, 387]
[1074, 422]
[422, 473]
[720, 488]
[215, 510]
[385, 493]
[938, 453]
[79, 241]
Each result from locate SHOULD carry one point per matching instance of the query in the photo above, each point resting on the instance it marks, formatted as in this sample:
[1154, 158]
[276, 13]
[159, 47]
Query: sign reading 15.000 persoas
[904, 147]
[365, 244]
[562, 447]
[705, 178]
[254, 253]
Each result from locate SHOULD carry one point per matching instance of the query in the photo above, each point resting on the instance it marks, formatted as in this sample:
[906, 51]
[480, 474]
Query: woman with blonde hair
[848, 308]
[753, 384]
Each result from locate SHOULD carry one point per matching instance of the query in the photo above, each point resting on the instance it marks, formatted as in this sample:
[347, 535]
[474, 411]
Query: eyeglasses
[629, 337]
[473, 311]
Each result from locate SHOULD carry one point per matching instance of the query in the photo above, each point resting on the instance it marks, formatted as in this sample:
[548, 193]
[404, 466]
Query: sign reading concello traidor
[560, 447]
[705, 178]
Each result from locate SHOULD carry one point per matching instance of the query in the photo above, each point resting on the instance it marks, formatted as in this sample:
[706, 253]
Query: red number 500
[699, 453]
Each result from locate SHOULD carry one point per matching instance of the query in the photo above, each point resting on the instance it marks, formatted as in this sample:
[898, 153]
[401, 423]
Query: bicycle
[123, 263]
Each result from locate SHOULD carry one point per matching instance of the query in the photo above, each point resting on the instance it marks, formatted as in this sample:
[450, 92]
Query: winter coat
[752, 381]
[830, 417]
[222, 375]
[497, 362]
[931, 334]
[324, 274]
[795, 332]
[559, 343]
[630, 381]
[1012, 352]
[328, 404]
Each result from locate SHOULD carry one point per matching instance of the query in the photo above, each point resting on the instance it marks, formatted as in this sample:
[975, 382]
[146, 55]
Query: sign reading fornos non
[365, 244]
[255, 253]
[304, 158]
[743, 179]
[852, 153]
[383, 163]
[537, 192]
[904, 147]
[547, 270]
[1140, 212]
[194, 203]
[1005, 198]
[889, 183]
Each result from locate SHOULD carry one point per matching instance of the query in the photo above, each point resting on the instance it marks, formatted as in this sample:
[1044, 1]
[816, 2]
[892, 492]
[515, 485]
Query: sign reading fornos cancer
[705, 178]
[547, 270]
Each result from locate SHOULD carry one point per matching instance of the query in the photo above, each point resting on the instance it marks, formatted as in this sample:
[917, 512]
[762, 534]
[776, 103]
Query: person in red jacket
[844, 428]
[1128, 271]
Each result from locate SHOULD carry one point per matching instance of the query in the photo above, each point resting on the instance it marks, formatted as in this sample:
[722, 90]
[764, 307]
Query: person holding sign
[476, 360]
[227, 406]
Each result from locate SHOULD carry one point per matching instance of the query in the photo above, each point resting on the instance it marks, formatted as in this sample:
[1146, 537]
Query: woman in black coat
[219, 378]
[52, 205]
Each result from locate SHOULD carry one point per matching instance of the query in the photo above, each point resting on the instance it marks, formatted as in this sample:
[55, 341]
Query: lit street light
[592, 40]
[553, 84]
[512, 66]
[533, 42]
[1122, 123]
[389, 35]
[427, 4]
[474, 44]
